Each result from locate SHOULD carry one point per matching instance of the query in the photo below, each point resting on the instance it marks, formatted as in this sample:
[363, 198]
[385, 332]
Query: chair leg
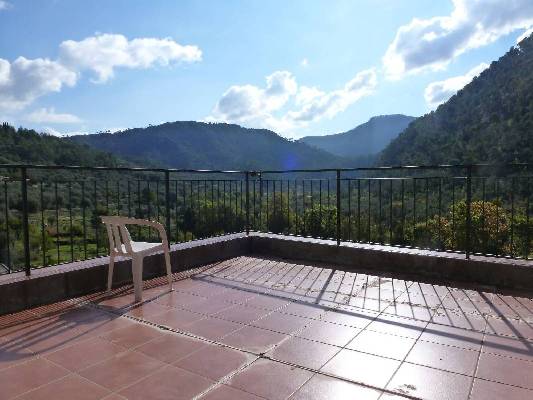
[169, 268]
[110, 271]
[137, 272]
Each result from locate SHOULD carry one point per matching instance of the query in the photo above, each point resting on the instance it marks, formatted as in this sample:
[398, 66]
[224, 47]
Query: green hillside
[489, 120]
[26, 146]
[202, 145]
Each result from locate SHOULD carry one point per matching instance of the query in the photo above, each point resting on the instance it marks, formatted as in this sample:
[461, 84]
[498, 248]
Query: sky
[299, 67]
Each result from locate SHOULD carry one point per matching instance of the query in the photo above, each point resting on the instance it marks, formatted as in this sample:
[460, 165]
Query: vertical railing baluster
[71, 226]
[8, 239]
[43, 233]
[338, 214]
[25, 221]
[468, 209]
[390, 211]
[96, 216]
[359, 209]
[512, 215]
[57, 224]
[167, 204]
[84, 219]
[247, 203]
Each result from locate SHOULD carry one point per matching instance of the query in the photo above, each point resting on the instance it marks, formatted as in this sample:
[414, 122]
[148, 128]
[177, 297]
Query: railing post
[338, 207]
[468, 210]
[25, 221]
[247, 202]
[167, 202]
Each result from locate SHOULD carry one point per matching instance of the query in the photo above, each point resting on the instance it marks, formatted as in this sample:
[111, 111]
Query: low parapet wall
[52, 284]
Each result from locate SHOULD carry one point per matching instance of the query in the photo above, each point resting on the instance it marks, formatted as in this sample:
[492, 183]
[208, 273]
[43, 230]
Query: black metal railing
[51, 214]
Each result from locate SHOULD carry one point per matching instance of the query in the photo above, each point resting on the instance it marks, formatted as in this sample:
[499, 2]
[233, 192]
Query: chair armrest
[142, 222]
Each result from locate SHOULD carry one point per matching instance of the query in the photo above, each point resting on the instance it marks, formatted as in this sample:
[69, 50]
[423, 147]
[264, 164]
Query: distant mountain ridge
[489, 120]
[200, 145]
[364, 140]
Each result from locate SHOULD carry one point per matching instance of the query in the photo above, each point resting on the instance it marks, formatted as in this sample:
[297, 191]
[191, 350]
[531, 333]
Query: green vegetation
[489, 120]
[25, 146]
[199, 145]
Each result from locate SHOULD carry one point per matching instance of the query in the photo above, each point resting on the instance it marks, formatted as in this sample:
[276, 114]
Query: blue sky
[298, 67]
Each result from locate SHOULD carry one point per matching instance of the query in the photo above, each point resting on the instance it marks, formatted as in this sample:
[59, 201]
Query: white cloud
[283, 106]
[332, 103]
[430, 44]
[524, 35]
[103, 53]
[5, 5]
[49, 116]
[23, 81]
[248, 103]
[51, 131]
[304, 63]
[438, 92]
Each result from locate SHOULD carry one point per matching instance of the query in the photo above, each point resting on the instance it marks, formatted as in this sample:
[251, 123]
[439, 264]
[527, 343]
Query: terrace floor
[257, 328]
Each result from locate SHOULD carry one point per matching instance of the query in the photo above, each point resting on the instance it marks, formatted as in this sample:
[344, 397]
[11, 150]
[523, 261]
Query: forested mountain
[199, 145]
[489, 120]
[25, 146]
[363, 140]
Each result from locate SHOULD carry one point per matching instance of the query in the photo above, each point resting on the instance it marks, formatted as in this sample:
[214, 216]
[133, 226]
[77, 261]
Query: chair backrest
[118, 234]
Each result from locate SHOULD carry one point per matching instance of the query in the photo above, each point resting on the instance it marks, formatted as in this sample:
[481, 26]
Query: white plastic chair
[120, 244]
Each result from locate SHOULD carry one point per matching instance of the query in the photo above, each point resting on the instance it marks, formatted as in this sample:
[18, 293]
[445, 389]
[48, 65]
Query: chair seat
[141, 247]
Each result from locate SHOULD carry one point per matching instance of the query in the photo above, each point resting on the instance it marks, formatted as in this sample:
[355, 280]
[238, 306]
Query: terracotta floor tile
[429, 384]
[361, 367]
[304, 310]
[304, 352]
[175, 318]
[485, 390]
[410, 311]
[398, 326]
[146, 310]
[506, 370]
[253, 339]
[169, 383]
[465, 321]
[132, 336]
[81, 355]
[70, 387]
[509, 327]
[178, 299]
[212, 328]
[321, 387]
[104, 324]
[169, 347]
[241, 314]
[214, 362]
[382, 344]
[507, 346]
[271, 380]
[121, 370]
[354, 319]
[11, 354]
[448, 335]
[267, 302]
[224, 392]
[329, 333]
[208, 306]
[29, 375]
[233, 296]
[443, 357]
[282, 323]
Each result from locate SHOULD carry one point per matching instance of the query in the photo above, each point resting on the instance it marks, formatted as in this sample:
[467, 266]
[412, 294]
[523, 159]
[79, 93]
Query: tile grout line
[477, 362]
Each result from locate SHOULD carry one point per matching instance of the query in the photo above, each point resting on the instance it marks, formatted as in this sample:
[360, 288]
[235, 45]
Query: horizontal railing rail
[51, 214]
